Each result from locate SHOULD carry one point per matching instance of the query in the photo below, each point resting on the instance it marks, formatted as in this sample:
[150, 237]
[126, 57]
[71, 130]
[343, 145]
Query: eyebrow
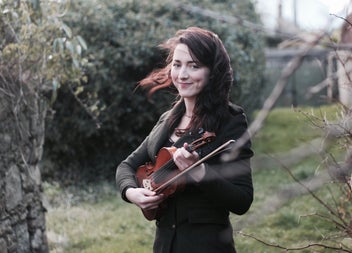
[187, 62]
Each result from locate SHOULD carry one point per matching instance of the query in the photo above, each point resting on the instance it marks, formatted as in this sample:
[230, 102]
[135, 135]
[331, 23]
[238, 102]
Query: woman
[196, 218]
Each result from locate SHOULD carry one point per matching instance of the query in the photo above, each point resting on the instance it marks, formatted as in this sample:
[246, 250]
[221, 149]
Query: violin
[163, 176]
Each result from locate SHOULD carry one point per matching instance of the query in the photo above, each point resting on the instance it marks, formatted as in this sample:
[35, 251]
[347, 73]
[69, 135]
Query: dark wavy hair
[211, 106]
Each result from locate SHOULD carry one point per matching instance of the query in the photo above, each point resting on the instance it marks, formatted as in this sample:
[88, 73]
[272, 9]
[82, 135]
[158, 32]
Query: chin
[187, 96]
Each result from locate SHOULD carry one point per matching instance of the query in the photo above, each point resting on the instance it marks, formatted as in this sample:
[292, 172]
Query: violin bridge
[147, 184]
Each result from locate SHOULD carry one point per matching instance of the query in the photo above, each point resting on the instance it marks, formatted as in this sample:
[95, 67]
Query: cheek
[173, 75]
[203, 79]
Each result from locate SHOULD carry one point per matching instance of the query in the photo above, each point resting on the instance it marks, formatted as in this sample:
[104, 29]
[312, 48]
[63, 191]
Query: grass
[91, 219]
[287, 128]
[93, 225]
[295, 225]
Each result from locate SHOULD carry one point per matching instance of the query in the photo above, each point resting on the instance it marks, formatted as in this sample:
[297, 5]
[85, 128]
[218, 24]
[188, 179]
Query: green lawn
[91, 219]
[95, 222]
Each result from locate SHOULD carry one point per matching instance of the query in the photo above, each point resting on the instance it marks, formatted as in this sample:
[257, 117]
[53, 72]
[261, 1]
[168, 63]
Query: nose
[183, 74]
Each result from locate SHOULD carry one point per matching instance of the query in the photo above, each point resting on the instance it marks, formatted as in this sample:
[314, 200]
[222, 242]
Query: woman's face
[188, 76]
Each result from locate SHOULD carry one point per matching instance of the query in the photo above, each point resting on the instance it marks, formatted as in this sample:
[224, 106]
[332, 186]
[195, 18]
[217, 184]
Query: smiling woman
[188, 76]
[195, 216]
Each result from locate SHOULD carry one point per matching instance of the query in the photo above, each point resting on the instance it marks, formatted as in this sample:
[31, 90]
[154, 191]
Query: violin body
[150, 176]
[163, 176]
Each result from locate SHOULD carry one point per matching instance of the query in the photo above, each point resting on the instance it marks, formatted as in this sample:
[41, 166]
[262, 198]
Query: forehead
[181, 52]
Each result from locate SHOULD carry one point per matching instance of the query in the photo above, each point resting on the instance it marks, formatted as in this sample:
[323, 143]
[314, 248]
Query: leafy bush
[122, 38]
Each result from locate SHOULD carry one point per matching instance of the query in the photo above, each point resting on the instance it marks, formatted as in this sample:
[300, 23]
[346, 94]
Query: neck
[189, 104]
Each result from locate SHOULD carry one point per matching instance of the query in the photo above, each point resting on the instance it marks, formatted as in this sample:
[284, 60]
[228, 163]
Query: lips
[185, 84]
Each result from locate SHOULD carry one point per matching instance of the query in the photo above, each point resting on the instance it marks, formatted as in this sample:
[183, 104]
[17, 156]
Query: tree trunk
[22, 220]
[344, 66]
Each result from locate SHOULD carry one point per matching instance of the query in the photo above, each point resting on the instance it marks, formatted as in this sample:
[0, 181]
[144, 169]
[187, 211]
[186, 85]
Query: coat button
[173, 226]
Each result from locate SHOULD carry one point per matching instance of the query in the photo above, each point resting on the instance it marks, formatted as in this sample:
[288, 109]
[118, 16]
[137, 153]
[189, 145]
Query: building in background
[325, 74]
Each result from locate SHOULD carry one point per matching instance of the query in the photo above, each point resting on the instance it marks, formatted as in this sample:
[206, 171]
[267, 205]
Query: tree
[38, 53]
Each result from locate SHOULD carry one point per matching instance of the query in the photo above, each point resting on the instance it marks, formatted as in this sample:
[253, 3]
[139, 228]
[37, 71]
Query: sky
[311, 14]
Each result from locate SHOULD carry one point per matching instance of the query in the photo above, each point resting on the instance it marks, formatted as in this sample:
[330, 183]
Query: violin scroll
[206, 138]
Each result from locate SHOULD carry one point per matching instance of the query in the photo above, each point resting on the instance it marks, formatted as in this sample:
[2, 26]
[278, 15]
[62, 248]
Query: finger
[179, 154]
[147, 192]
[196, 155]
[179, 163]
[154, 197]
[185, 153]
[187, 147]
[153, 202]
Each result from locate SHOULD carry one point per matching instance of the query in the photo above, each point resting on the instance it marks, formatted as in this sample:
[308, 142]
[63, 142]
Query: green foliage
[122, 38]
[39, 52]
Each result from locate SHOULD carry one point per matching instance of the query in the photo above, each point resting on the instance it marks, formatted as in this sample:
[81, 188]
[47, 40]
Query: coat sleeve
[229, 184]
[126, 170]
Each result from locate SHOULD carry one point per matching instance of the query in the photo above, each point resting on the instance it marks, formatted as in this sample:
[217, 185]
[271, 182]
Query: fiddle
[155, 177]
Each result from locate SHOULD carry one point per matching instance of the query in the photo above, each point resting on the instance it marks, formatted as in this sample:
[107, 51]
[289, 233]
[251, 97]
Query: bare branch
[311, 245]
[95, 119]
[345, 19]
[269, 103]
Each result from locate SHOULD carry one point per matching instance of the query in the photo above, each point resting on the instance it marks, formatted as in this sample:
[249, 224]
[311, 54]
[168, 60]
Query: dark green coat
[197, 218]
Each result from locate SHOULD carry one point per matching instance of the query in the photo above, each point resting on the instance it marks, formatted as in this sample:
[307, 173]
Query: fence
[314, 70]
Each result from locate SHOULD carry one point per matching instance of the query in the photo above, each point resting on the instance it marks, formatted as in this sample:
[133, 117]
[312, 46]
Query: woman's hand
[144, 198]
[184, 159]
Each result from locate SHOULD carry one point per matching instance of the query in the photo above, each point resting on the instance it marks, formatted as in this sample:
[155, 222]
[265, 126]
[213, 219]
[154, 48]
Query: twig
[95, 119]
[345, 19]
[343, 223]
[311, 245]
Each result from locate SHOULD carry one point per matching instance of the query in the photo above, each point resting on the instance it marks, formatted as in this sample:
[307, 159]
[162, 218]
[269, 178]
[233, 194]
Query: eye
[176, 65]
[195, 66]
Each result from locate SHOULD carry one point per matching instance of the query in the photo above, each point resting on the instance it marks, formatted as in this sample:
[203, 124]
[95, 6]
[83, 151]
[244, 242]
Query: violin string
[170, 165]
[167, 168]
[163, 171]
